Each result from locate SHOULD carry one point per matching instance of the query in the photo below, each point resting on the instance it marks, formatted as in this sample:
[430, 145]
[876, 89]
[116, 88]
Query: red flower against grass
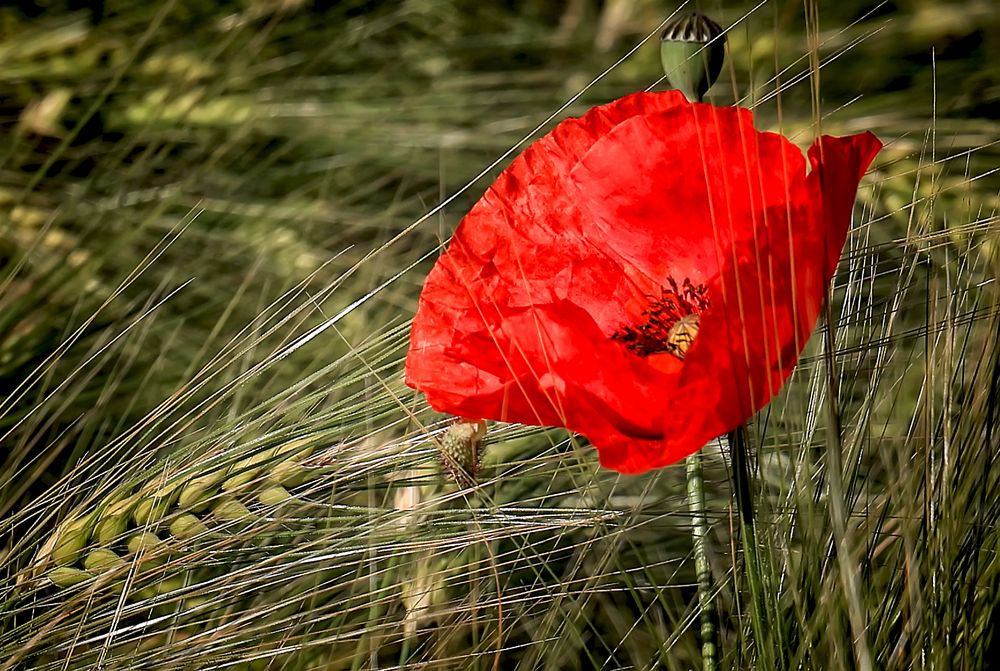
[646, 275]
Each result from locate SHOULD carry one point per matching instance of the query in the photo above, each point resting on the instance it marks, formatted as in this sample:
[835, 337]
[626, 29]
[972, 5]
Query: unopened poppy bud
[692, 49]
[461, 449]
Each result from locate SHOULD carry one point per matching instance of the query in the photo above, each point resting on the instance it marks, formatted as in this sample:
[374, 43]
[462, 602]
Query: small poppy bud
[461, 449]
[692, 49]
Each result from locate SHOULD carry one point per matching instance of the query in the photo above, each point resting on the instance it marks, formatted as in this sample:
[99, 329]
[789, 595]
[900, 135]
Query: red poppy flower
[646, 275]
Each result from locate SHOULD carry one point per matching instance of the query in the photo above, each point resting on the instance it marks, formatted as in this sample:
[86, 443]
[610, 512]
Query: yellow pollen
[682, 334]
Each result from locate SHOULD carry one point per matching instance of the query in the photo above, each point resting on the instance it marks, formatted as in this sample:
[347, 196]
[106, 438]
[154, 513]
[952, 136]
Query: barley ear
[197, 494]
[146, 544]
[167, 585]
[247, 470]
[289, 473]
[299, 447]
[154, 505]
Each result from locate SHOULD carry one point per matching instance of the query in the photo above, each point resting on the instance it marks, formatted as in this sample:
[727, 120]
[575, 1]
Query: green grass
[214, 224]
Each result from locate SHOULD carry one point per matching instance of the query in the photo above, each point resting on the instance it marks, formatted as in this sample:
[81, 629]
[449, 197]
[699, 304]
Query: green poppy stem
[703, 570]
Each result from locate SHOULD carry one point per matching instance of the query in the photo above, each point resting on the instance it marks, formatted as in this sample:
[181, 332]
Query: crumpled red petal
[575, 237]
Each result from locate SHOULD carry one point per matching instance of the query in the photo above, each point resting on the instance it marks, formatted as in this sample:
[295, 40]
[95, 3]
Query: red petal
[772, 289]
[570, 242]
[667, 191]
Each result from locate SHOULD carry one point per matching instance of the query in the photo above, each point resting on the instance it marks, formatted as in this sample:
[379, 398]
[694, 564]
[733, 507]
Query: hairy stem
[703, 570]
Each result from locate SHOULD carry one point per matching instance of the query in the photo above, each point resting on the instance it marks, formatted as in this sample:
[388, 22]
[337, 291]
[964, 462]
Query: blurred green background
[188, 188]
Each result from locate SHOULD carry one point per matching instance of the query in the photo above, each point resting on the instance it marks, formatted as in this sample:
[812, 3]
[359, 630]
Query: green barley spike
[289, 473]
[144, 542]
[231, 510]
[196, 494]
[247, 470]
[155, 503]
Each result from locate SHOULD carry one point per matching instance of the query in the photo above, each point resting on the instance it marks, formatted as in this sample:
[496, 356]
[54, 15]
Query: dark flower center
[669, 324]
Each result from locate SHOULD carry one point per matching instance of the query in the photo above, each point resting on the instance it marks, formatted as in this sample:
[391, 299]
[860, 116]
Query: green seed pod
[65, 576]
[144, 541]
[273, 496]
[154, 505]
[290, 473]
[113, 522]
[73, 536]
[196, 494]
[187, 526]
[231, 510]
[168, 585]
[101, 560]
[461, 450]
[692, 50]
[247, 470]
[298, 447]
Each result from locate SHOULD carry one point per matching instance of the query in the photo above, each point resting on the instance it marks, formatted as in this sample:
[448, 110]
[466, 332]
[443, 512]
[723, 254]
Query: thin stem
[838, 503]
[703, 570]
[761, 624]
[741, 476]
